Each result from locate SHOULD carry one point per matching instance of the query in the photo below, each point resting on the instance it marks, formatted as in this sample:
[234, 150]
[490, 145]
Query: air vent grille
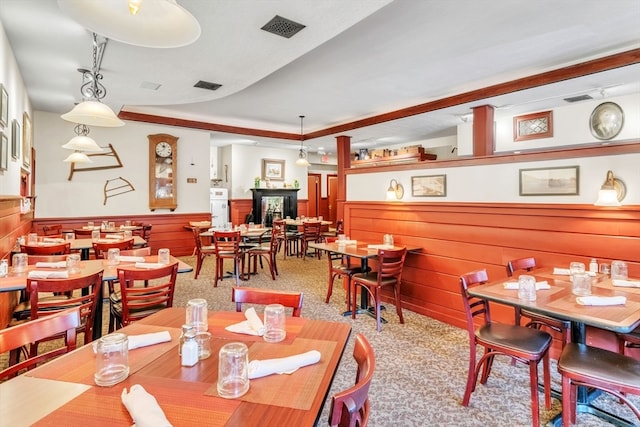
[578, 98]
[207, 85]
[282, 27]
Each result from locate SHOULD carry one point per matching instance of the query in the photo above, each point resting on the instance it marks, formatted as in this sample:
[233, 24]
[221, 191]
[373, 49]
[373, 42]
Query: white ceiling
[354, 59]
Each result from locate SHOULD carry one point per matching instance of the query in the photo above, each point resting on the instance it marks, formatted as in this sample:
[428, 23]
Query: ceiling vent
[207, 85]
[578, 98]
[282, 27]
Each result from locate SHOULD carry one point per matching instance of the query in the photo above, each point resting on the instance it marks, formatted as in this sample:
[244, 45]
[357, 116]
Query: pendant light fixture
[302, 155]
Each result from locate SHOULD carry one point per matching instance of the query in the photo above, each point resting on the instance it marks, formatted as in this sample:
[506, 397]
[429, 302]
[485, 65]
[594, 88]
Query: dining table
[18, 281]
[63, 391]
[364, 252]
[559, 302]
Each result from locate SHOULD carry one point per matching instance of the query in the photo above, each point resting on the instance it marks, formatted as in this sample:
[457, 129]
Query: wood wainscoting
[168, 230]
[459, 237]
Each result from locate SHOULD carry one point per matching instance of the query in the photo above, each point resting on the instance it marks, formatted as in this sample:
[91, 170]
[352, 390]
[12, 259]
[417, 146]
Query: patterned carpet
[421, 366]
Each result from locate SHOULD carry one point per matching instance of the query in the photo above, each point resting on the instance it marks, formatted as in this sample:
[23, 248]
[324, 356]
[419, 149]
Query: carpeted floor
[421, 366]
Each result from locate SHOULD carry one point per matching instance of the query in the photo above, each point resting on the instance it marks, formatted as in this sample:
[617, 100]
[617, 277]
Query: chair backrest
[139, 302]
[57, 249]
[146, 232]
[61, 323]
[351, 408]
[145, 251]
[196, 237]
[474, 306]
[88, 285]
[390, 263]
[82, 232]
[293, 300]
[280, 227]
[340, 227]
[227, 242]
[34, 259]
[311, 230]
[100, 249]
[52, 230]
[520, 264]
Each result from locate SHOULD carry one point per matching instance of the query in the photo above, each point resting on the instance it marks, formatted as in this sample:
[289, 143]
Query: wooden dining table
[63, 392]
[559, 302]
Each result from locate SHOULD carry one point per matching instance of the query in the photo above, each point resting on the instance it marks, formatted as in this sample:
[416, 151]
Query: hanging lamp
[302, 155]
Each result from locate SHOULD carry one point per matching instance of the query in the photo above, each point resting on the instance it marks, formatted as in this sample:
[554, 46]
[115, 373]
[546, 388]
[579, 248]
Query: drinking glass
[95, 235]
[19, 262]
[163, 256]
[619, 270]
[274, 323]
[112, 225]
[581, 284]
[197, 313]
[32, 238]
[605, 268]
[576, 267]
[90, 224]
[69, 236]
[233, 370]
[203, 339]
[112, 359]
[127, 234]
[127, 223]
[113, 256]
[73, 263]
[527, 288]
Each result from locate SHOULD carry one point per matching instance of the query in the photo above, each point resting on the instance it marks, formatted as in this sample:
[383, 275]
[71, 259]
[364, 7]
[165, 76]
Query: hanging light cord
[91, 87]
[301, 134]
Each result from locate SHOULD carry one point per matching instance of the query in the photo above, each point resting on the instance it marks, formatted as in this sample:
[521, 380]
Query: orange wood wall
[459, 237]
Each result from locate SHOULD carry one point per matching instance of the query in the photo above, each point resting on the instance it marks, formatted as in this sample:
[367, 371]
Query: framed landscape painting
[27, 142]
[429, 186]
[557, 181]
[15, 139]
[273, 169]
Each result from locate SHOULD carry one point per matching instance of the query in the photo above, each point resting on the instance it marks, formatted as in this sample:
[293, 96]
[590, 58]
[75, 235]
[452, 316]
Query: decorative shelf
[390, 160]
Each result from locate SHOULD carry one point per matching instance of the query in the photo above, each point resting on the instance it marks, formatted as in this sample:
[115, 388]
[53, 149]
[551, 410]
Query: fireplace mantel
[289, 198]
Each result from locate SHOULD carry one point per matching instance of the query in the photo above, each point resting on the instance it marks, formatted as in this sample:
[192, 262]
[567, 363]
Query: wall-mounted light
[395, 190]
[612, 192]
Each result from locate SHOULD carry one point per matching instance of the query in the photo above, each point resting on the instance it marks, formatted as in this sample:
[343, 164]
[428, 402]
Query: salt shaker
[189, 350]
[185, 330]
[593, 265]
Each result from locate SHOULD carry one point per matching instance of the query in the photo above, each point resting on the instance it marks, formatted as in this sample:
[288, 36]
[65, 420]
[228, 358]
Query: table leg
[364, 300]
[97, 318]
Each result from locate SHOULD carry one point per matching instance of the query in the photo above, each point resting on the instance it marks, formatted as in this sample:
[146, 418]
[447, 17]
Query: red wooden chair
[351, 408]
[310, 234]
[293, 300]
[264, 251]
[57, 249]
[340, 266]
[202, 251]
[15, 338]
[227, 245]
[526, 345]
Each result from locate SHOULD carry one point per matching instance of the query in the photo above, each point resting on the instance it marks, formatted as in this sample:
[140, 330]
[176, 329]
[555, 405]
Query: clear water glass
[197, 314]
[233, 370]
[527, 288]
[112, 359]
[581, 285]
[274, 323]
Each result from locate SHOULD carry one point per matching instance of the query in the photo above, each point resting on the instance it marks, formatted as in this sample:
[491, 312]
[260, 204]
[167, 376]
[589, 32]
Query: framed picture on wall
[15, 139]
[429, 186]
[273, 169]
[27, 142]
[4, 152]
[557, 181]
[4, 106]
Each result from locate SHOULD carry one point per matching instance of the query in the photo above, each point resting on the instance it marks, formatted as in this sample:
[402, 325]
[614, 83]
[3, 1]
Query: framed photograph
[27, 141]
[4, 106]
[606, 120]
[558, 181]
[4, 152]
[533, 126]
[273, 169]
[429, 186]
[15, 139]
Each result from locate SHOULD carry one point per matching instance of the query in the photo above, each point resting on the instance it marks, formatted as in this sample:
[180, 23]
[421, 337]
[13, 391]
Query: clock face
[163, 149]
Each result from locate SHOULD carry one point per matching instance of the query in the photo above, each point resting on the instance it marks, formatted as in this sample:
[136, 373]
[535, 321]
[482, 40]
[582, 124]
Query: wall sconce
[612, 192]
[395, 190]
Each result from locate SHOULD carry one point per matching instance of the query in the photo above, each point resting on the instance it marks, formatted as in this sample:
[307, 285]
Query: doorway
[313, 190]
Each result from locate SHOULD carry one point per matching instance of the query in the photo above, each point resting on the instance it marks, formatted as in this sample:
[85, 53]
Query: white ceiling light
[302, 156]
[82, 143]
[78, 157]
[146, 23]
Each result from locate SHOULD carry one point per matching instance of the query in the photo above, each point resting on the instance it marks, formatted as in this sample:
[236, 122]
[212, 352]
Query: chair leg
[330, 288]
[354, 301]
[535, 404]
[198, 265]
[568, 402]
[377, 303]
[396, 291]
[219, 265]
[471, 377]
[546, 377]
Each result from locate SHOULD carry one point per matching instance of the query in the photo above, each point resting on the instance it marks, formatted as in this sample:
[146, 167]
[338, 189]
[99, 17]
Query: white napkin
[626, 283]
[149, 265]
[346, 242]
[543, 284]
[39, 274]
[129, 258]
[595, 300]
[252, 326]
[53, 240]
[144, 340]
[113, 236]
[561, 271]
[284, 365]
[58, 264]
[381, 246]
[143, 408]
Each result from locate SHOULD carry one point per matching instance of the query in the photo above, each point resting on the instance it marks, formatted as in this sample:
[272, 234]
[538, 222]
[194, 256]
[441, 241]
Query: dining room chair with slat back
[340, 267]
[266, 251]
[227, 246]
[15, 339]
[52, 230]
[593, 367]
[202, 251]
[351, 407]
[49, 296]
[139, 301]
[537, 320]
[310, 234]
[82, 233]
[53, 249]
[244, 295]
[387, 274]
[288, 241]
[526, 345]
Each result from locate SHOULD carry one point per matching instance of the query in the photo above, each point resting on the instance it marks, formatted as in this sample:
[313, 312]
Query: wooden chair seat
[583, 365]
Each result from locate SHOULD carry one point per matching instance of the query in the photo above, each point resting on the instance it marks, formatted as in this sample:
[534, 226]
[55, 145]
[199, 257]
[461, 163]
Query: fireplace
[270, 203]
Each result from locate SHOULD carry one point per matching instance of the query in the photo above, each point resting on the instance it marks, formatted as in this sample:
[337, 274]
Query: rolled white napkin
[283, 365]
[53, 240]
[57, 264]
[129, 258]
[144, 340]
[543, 284]
[626, 283]
[595, 300]
[149, 265]
[39, 274]
[252, 326]
[381, 246]
[561, 271]
[113, 236]
[143, 408]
